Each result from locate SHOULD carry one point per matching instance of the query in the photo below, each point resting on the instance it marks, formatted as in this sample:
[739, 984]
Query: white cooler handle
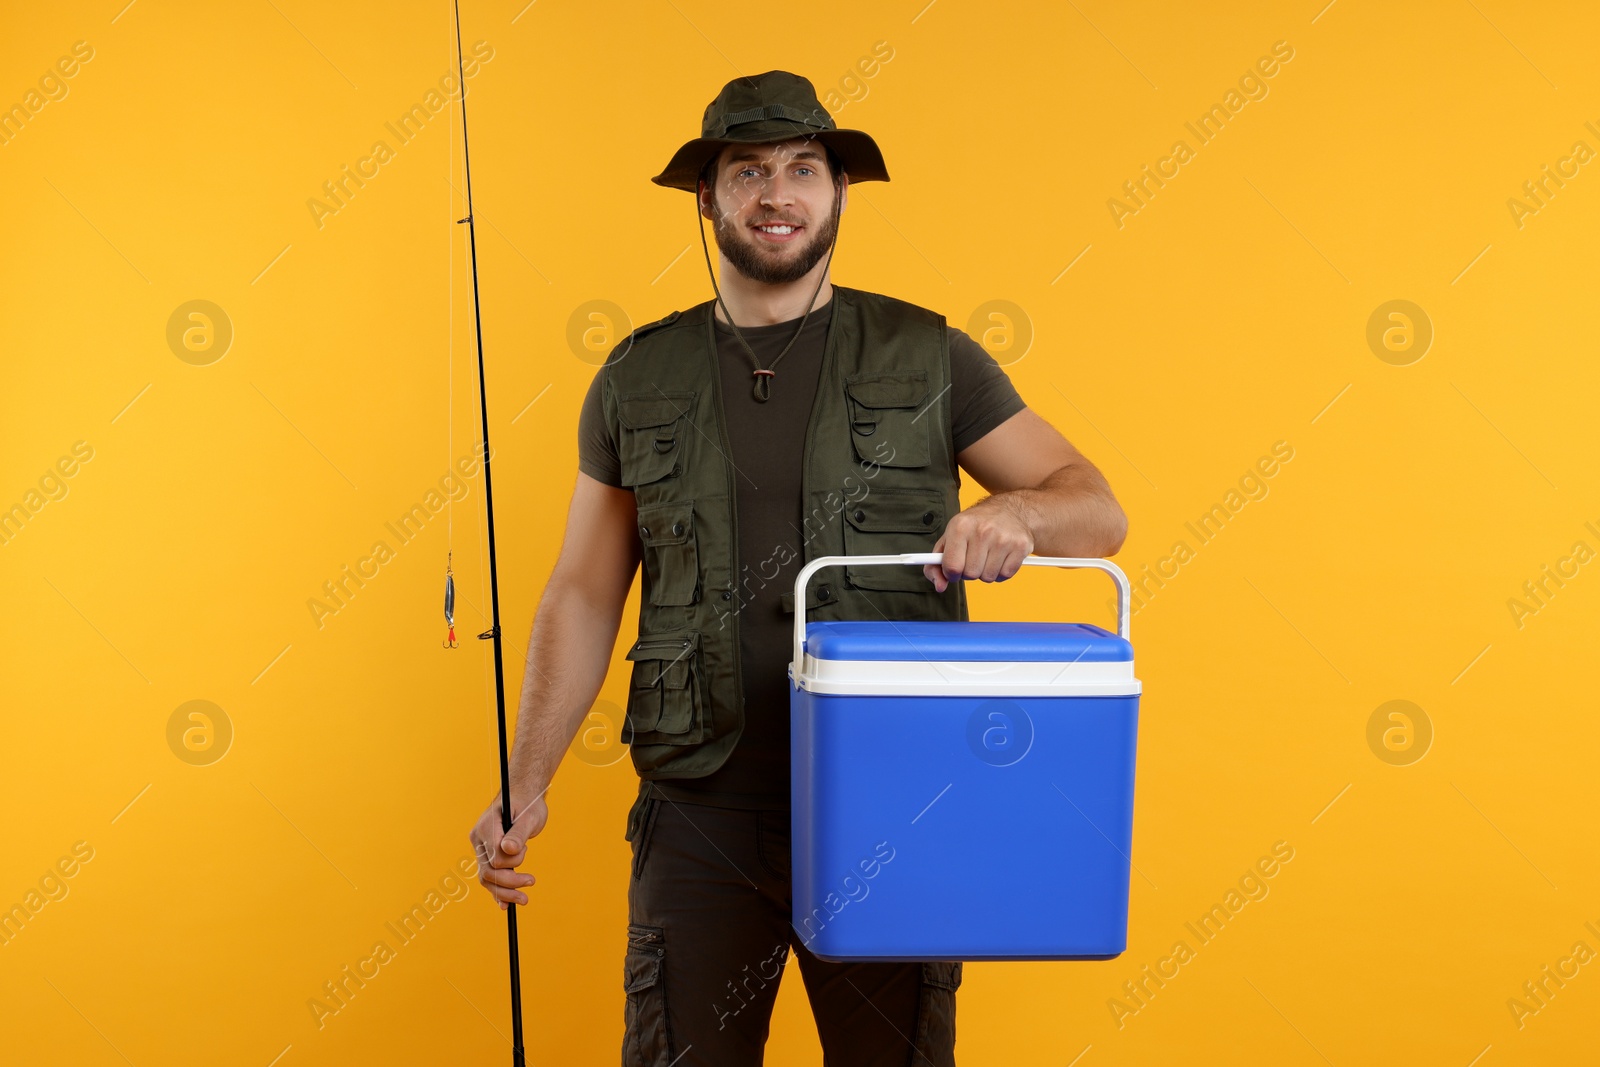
[918, 559]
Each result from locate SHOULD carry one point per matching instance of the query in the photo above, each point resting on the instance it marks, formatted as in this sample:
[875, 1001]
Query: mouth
[777, 232]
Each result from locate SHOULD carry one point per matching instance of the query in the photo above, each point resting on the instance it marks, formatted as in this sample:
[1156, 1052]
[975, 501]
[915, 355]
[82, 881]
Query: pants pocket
[772, 843]
[936, 1015]
[646, 1042]
[641, 820]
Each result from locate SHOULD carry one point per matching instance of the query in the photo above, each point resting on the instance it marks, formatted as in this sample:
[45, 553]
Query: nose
[776, 191]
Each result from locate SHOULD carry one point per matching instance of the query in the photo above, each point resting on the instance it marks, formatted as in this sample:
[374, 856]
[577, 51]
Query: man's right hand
[500, 852]
[569, 652]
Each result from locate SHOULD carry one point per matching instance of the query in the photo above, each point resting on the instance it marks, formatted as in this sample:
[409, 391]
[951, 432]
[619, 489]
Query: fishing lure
[449, 604]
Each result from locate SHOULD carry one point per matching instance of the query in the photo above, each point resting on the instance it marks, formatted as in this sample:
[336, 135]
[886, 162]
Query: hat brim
[859, 153]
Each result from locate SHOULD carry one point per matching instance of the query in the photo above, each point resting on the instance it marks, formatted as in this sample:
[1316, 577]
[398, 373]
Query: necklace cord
[764, 375]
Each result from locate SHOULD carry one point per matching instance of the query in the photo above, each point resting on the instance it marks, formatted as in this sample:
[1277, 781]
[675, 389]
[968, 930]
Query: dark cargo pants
[708, 937]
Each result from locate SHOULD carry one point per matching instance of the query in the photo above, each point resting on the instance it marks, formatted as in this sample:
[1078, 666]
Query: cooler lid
[968, 642]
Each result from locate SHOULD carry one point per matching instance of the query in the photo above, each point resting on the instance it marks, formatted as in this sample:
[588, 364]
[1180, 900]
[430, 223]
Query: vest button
[727, 595]
[860, 516]
[927, 518]
[676, 470]
[677, 529]
[825, 592]
[644, 531]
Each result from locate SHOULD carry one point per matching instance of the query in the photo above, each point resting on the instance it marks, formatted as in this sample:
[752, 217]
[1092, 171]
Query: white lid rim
[966, 679]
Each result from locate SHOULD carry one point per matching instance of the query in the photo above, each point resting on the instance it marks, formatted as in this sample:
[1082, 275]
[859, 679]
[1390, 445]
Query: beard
[773, 266]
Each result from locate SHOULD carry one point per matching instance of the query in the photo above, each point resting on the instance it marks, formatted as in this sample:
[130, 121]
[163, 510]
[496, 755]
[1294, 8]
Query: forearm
[1071, 513]
[568, 656]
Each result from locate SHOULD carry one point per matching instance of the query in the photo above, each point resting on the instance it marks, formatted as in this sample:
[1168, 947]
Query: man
[723, 447]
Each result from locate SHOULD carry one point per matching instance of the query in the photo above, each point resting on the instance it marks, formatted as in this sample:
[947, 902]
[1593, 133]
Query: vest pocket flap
[890, 418]
[818, 595]
[889, 522]
[667, 524]
[653, 409]
[889, 390]
[897, 511]
[670, 674]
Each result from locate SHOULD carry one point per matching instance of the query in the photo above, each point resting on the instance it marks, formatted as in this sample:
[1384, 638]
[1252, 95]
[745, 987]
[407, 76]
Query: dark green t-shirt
[767, 442]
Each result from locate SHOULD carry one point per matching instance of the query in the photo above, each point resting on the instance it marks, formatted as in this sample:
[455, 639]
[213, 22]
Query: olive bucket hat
[762, 109]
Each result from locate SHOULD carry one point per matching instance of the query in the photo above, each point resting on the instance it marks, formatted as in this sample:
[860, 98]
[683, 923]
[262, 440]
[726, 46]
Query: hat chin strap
[764, 375]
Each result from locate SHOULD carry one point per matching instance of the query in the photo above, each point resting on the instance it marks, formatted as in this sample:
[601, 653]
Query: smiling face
[773, 208]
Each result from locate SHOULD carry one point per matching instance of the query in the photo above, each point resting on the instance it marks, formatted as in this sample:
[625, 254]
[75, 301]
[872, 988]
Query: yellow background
[1224, 316]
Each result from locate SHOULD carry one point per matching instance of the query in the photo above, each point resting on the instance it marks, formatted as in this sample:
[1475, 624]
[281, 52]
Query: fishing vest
[879, 476]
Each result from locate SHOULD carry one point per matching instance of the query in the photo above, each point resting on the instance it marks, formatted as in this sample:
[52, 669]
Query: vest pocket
[653, 427]
[888, 420]
[671, 555]
[664, 702]
[892, 521]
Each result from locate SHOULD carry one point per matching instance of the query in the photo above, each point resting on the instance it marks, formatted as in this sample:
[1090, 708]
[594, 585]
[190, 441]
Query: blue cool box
[962, 790]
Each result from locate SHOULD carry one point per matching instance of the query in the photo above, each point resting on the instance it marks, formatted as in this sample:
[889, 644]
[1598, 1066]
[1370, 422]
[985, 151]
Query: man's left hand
[988, 541]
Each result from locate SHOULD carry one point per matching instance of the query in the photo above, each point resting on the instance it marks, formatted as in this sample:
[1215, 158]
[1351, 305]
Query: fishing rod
[493, 633]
